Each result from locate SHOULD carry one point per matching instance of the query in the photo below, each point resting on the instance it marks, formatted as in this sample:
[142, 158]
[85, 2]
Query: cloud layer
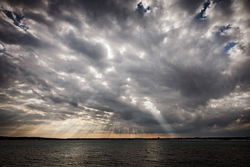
[175, 68]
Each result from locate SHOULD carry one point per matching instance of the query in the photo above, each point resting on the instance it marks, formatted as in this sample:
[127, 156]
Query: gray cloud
[12, 117]
[190, 6]
[12, 36]
[127, 66]
[91, 50]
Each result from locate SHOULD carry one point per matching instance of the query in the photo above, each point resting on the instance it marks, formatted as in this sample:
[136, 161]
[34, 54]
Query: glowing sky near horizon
[113, 68]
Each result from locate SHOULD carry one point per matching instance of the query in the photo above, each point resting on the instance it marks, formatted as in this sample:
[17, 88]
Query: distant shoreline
[178, 138]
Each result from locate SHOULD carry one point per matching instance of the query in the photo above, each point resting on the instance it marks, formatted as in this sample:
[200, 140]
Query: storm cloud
[175, 68]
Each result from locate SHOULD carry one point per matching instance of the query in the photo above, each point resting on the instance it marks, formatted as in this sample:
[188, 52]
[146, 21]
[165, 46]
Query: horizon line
[153, 138]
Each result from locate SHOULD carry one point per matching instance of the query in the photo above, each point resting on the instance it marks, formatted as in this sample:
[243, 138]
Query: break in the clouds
[125, 68]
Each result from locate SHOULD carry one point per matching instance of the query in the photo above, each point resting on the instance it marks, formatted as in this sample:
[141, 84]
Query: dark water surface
[124, 153]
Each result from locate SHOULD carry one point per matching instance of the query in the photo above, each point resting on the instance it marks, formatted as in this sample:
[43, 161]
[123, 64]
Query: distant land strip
[177, 138]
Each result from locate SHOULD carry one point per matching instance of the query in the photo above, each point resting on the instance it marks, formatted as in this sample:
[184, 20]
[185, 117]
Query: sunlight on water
[124, 153]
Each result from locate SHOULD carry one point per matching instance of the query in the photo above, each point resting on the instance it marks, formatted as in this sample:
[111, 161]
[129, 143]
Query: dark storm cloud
[39, 18]
[94, 10]
[92, 50]
[7, 72]
[190, 5]
[198, 83]
[116, 65]
[246, 4]
[12, 36]
[15, 117]
[30, 4]
[224, 7]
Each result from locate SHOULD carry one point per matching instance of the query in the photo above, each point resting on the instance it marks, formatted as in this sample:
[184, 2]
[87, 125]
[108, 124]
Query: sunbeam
[157, 114]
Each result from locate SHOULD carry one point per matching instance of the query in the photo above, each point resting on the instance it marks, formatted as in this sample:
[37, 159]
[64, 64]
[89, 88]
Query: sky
[113, 68]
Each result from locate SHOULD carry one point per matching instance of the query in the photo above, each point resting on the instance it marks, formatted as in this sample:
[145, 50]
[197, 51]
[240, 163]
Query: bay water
[123, 153]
